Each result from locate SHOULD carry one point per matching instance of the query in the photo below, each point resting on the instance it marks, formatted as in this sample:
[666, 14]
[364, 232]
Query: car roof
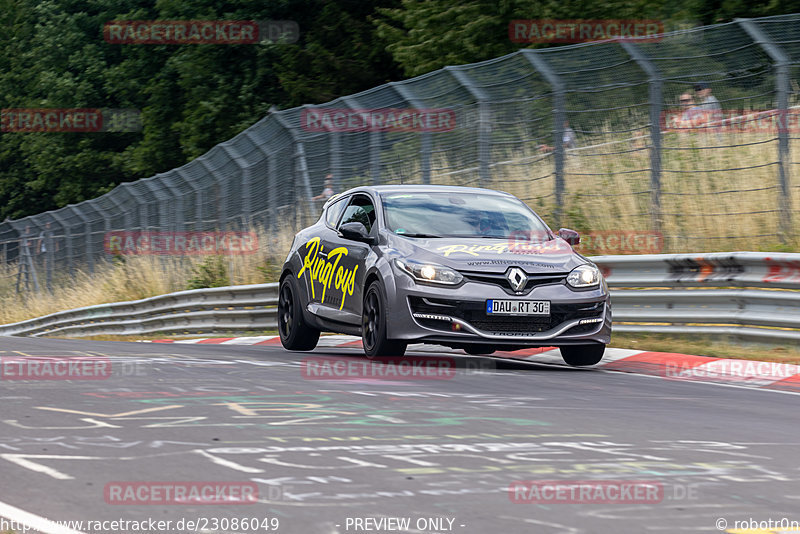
[413, 188]
[419, 188]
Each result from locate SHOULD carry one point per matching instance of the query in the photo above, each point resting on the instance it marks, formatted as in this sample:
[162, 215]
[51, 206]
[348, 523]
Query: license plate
[517, 307]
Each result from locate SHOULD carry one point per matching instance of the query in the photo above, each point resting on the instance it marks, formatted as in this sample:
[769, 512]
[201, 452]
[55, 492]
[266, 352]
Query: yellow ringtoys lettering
[325, 269]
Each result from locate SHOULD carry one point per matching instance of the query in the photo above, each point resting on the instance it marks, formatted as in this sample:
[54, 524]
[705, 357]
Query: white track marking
[34, 521]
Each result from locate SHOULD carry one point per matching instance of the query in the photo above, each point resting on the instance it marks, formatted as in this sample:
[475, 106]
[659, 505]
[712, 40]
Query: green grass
[701, 346]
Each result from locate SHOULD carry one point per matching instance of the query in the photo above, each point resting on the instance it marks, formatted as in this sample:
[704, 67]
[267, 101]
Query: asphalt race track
[366, 453]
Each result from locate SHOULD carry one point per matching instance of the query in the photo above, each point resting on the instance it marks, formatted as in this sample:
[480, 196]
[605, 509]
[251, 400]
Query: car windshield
[457, 214]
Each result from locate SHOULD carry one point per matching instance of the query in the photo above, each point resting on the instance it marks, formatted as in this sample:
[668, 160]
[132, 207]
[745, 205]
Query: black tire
[294, 332]
[479, 350]
[373, 325]
[581, 355]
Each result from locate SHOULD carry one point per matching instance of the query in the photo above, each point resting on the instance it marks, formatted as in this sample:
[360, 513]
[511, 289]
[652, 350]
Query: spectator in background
[48, 245]
[569, 140]
[46, 239]
[28, 245]
[690, 113]
[327, 191]
[708, 104]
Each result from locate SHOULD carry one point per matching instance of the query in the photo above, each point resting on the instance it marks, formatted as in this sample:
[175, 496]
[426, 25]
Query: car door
[353, 255]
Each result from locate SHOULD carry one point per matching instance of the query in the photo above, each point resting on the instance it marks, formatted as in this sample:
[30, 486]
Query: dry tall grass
[137, 277]
[719, 191]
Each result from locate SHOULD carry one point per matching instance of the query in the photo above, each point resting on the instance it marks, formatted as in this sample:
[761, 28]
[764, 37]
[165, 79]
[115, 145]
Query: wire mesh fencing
[600, 137]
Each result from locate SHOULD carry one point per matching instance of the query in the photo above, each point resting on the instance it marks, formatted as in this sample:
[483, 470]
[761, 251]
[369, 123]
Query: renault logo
[517, 278]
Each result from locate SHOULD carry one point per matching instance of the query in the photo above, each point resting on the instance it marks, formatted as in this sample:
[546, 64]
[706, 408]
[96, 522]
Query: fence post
[87, 237]
[49, 255]
[127, 213]
[162, 201]
[26, 268]
[67, 231]
[375, 157]
[42, 250]
[25, 261]
[176, 210]
[142, 209]
[484, 123]
[198, 194]
[247, 200]
[220, 200]
[300, 170]
[271, 200]
[272, 186]
[301, 166]
[654, 84]
[425, 137]
[117, 205]
[335, 149]
[782, 90]
[243, 170]
[374, 144]
[559, 117]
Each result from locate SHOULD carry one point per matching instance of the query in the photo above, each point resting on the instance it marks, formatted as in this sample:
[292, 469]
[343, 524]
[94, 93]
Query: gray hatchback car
[463, 267]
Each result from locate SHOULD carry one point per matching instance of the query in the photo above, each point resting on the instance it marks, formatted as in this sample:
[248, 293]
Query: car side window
[334, 211]
[362, 210]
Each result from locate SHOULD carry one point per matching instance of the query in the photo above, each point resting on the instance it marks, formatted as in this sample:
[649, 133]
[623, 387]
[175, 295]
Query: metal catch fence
[584, 133]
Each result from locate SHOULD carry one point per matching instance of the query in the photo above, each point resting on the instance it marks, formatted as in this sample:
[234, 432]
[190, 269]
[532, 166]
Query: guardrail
[748, 295]
[232, 308]
[751, 296]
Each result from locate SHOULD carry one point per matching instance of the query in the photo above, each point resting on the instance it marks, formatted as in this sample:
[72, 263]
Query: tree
[192, 97]
[425, 35]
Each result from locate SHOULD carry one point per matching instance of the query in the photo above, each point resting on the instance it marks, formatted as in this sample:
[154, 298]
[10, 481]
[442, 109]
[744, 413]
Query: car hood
[490, 255]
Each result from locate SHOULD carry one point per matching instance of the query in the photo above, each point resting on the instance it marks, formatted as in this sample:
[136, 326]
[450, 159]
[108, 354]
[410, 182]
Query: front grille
[499, 279]
[475, 314]
[511, 324]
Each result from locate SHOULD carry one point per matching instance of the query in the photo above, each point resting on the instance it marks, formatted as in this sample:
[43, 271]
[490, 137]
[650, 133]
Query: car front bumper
[456, 316]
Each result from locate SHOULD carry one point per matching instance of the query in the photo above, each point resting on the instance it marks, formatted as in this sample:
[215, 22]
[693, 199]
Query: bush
[212, 272]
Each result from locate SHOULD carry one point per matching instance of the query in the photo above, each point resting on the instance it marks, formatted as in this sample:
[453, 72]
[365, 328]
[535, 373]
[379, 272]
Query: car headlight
[587, 275]
[430, 272]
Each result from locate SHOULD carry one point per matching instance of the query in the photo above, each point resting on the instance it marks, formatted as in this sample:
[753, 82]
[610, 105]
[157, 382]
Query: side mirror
[570, 236]
[355, 231]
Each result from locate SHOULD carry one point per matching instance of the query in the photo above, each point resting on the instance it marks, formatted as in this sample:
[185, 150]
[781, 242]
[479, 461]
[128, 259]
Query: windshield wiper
[418, 235]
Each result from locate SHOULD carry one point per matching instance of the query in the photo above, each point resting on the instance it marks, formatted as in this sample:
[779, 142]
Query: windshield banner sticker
[547, 247]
